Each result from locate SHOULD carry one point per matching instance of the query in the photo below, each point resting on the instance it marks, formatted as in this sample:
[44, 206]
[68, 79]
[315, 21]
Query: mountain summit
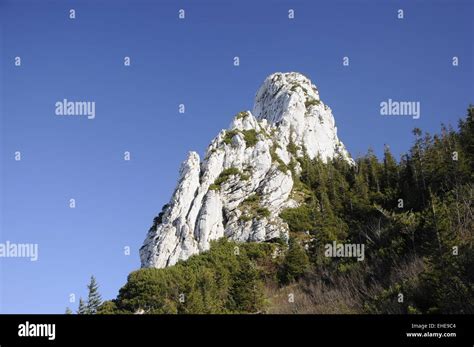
[246, 179]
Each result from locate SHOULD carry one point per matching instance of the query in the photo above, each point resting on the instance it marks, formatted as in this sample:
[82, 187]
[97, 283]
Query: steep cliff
[246, 177]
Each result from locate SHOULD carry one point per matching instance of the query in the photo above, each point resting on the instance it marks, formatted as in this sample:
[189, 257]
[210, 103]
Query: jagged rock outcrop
[246, 177]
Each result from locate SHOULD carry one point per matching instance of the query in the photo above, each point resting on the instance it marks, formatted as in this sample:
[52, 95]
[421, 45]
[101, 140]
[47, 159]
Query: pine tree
[466, 139]
[361, 182]
[373, 170]
[417, 153]
[413, 213]
[295, 264]
[94, 299]
[246, 293]
[390, 170]
[108, 307]
[68, 311]
[82, 307]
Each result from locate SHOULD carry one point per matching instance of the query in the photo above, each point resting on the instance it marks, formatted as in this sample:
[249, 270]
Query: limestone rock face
[246, 178]
[292, 103]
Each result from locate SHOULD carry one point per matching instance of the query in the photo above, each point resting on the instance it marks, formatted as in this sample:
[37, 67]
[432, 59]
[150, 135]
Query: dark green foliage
[292, 148]
[229, 134]
[203, 283]
[244, 176]
[414, 216]
[466, 141]
[214, 186]
[251, 209]
[250, 137]
[93, 299]
[263, 212]
[254, 198]
[275, 158]
[296, 262]
[411, 212]
[246, 292]
[224, 176]
[82, 307]
[108, 307]
[299, 219]
[310, 102]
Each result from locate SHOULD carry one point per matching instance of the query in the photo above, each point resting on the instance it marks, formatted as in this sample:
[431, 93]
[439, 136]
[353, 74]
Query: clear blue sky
[186, 62]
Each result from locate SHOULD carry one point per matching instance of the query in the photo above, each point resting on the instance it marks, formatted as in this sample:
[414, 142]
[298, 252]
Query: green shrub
[224, 176]
[244, 176]
[409, 250]
[245, 217]
[254, 198]
[107, 307]
[217, 281]
[262, 212]
[299, 219]
[311, 102]
[250, 137]
[246, 292]
[251, 209]
[214, 186]
[229, 134]
[295, 264]
[275, 158]
[292, 148]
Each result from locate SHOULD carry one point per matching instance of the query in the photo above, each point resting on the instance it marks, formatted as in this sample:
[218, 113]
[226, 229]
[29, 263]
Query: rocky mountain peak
[246, 178]
[280, 91]
[291, 102]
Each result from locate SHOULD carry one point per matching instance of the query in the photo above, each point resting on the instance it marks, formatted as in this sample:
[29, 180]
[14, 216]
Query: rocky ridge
[246, 178]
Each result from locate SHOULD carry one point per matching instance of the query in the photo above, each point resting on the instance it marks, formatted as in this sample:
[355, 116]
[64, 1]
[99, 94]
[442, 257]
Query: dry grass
[342, 294]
